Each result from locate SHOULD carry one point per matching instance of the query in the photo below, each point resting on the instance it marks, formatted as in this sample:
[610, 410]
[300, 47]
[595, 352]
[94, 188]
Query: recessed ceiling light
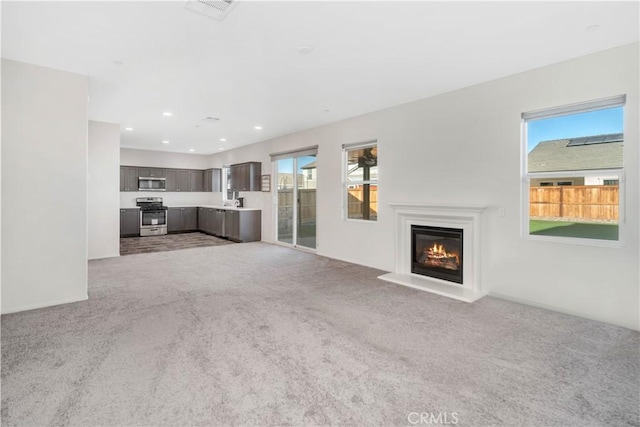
[220, 148]
[257, 127]
[165, 142]
[223, 139]
[167, 113]
[192, 150]
[128, 128]
[592, 28]
[304, 50]
[117, 62]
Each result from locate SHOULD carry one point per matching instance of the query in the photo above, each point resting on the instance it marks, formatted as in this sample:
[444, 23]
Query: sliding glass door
[296, 178]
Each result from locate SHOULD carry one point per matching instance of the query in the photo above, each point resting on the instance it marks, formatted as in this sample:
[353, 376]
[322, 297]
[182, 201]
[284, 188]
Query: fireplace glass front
[437, 252]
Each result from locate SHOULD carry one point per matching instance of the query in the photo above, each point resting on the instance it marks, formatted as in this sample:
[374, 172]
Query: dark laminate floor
[169, 242]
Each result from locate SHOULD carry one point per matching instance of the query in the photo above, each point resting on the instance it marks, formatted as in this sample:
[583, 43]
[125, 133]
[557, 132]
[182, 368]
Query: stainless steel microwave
[152, 184]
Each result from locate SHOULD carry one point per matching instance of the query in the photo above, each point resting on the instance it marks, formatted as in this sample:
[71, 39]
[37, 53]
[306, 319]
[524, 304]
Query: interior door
[296, 179]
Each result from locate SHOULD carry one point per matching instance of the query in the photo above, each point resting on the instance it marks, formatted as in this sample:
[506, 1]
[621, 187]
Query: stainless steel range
[153, 216]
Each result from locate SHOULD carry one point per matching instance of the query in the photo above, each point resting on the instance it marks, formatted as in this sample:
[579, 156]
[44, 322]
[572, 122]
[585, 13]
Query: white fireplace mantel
[465, 217]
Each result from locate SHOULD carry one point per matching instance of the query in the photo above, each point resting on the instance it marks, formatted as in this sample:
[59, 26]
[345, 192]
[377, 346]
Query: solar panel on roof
[614, 137]
[595, 139]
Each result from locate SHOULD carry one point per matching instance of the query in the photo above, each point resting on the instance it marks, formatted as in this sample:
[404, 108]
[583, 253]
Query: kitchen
[187, 197]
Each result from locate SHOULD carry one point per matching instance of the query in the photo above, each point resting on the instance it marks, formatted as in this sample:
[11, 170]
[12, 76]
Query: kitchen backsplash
[128, 199]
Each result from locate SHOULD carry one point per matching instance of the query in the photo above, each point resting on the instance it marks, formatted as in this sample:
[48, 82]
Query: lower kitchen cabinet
[236, 225]
[182, 219]
[243, 226]
[217, 222]
[204, 220]
[129, 222]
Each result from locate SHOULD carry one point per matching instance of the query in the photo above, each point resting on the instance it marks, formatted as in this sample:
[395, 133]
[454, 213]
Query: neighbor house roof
[583, 153]
[311, 165]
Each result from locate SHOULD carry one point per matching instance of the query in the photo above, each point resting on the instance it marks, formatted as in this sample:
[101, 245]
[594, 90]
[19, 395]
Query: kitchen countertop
[228, 208]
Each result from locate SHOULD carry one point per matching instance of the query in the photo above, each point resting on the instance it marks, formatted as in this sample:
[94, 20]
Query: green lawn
[574, 229]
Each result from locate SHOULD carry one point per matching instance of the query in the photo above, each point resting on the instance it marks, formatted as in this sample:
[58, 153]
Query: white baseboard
[561, 310]
[44, 304]
[115, 255]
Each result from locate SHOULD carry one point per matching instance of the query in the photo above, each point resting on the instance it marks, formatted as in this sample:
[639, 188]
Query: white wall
[163, 159]
[464, 147]
[104, 200]
[128, 199]
[44, 186]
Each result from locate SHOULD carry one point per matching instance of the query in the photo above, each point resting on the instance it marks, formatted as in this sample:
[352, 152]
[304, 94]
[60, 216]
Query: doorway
[296, 181]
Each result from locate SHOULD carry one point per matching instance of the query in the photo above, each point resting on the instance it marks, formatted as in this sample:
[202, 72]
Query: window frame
[346, 183]
[226, 171]
[526, 176]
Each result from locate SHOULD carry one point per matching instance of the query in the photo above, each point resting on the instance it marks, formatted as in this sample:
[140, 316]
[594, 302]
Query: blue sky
[574, 125]
[286, 165]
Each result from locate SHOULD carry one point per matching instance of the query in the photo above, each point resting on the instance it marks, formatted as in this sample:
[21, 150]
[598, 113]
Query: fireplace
[451, 232]
[437, 252]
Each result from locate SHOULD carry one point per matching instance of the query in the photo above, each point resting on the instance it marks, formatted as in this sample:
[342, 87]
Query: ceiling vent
[208, 122]
[215, 9]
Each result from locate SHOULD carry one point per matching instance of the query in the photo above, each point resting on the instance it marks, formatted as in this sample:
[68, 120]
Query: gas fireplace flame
[438, 256]
[438, 252]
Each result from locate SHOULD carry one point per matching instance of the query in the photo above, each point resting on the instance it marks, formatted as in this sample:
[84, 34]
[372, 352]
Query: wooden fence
[355, 201]
[590, 202]
[307, 212]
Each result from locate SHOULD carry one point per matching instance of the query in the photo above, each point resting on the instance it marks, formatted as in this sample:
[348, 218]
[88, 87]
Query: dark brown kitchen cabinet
[196, 180]
[152, 172]
[172, 180]
[190, 219]
[243, 226]
[210, 222]
[217, 222]
[174, 220]
[212, 180]
[204, 224]
[246, 176]
[183, 181]
[128, 178]
[129, 222]
[182, 219]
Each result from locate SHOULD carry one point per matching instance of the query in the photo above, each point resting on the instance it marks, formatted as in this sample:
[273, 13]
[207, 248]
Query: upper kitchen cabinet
[212, 180]
[172, 180]
[152, 173]
[246, 176]
[175, 179]
[178, 180]
[196, 180]
[183, 181]
[128, 178]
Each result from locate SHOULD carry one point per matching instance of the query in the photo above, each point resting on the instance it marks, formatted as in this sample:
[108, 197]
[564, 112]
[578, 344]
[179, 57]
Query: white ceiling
[247, 71]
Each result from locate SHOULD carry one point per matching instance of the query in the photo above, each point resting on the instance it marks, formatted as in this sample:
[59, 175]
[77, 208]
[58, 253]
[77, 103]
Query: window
[361, 181]
[573, 165]
[227, 194]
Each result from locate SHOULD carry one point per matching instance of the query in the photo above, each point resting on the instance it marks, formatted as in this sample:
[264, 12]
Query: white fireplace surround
[465, 217]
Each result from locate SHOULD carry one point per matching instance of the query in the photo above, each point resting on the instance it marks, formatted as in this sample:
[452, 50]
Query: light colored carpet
[256, 334]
